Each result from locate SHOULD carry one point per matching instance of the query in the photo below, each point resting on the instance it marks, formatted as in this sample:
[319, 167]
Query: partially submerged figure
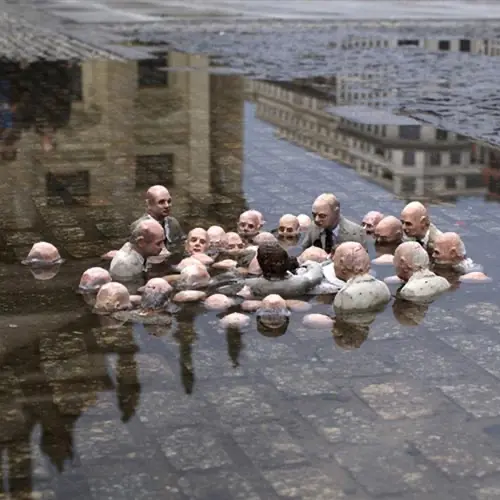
[276, 277]
[304, 222]
[289, 227]
[90, 283]
[111, 298]
[43, 261]
[215, 236]
[418, 227]
[350, 330]
[412, 267]
[449, 254]
[370, 221]
[249, 225]
[272, 316]
[361, 290]
[388, 235]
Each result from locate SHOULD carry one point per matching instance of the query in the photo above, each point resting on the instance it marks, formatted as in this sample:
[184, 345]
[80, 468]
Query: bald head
[388, 230]
[112, 297]
[370, 221]
[259, 216]
[449, 249]
[288, 226]
[415, 220]
[148, 237]
[326, 211]
[232, 243]
[158, 202]
[264, 236]
[409, 258]
[197, 241]
[314, 254]
[350, 259]
[249, 224]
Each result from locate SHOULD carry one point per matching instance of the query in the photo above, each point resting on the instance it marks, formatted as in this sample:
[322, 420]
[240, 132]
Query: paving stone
[488, 493]
[194, 448]
[479, 400]
[258, 349]
[400, 399]
[383, 470]
[220, 484]
[302, 379]
[269, 445]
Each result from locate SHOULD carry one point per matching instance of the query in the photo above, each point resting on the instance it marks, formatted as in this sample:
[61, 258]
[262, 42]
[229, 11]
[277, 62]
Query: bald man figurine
[388, 235]
[158, 207]
[418, 227]
[361, 291]
[330, 228]
[412, 267]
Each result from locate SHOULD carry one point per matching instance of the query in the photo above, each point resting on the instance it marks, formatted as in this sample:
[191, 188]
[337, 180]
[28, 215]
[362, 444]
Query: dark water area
[404, 405]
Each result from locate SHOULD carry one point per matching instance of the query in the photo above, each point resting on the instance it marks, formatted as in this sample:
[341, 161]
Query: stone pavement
[414, 413]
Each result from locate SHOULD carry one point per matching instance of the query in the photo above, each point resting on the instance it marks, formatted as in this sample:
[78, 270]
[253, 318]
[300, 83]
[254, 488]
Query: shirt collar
[335, 231]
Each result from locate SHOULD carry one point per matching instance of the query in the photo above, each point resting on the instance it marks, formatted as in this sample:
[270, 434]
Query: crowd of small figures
[271, 273]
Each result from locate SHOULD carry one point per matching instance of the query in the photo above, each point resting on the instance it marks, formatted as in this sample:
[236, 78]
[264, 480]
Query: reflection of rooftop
[370, 116]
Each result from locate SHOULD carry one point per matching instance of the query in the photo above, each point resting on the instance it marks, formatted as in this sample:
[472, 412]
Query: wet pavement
[406, 407]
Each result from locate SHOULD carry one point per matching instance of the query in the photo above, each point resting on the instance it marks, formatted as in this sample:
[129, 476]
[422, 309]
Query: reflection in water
[80, 143]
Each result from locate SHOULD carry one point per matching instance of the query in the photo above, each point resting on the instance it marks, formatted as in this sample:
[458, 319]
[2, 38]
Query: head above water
[155, 294]
[259, 216]
[388, 230]
[449, 249]
[304, 222]
[409, 258]
[326, 211]
[158, 202]
[148, 237]
[232, 243]
[315, 254]
[93, 279]
[289, 226]
[415, 220]
[370, 221]
[248, 224]
[43, 254]
[112, 297]
[350, 260]
[273, 260]
[263, 237]
[195, 276]
[197, 241]
[215, 235]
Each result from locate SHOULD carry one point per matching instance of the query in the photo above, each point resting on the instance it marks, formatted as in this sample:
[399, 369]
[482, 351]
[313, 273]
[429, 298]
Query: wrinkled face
[289, 227]
[444, 253]
[414, 225]
[323, 215]
[160, 204]
[233, 243]
[248, 225]
[370, 220]
[197, 241]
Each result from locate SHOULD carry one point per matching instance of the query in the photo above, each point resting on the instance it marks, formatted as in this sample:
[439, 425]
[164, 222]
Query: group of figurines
[271, 273]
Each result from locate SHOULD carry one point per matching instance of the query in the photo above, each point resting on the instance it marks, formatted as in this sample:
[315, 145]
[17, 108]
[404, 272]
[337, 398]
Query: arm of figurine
[313, 275]
[307, 241]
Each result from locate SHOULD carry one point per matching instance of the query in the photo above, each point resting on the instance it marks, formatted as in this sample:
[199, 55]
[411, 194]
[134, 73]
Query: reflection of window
[72, 188]
[408, 184]
[379, 152]
[387, 174]
[474, 181]
[150, 74]
[384, 131]
[408, 42]
[410, 132]
[154, 169]
[444, 45]
[451, 182]
[76, 82]
[455, 158]
[494, 185]
[441, 135]
[409, 158]
[434, 158]
[464, 45]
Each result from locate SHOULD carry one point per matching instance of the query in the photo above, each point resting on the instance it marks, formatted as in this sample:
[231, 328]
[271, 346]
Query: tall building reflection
[79, 181]
[407, 157]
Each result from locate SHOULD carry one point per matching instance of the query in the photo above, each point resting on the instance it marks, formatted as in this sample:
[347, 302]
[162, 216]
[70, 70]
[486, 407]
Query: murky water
[393, 407]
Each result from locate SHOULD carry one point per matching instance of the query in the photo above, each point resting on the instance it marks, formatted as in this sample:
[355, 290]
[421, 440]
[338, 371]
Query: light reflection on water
[80, 146]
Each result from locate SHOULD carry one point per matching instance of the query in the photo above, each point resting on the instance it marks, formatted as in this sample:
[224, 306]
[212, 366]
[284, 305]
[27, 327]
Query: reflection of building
[131, 125]
[397, 152]
[491, 171]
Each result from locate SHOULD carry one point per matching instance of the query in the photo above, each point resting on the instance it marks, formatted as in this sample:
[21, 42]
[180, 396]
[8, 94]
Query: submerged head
[314, 254]
[43, 254]
[197, 241]
[93, 279]
[273, 260]
[289, 226]
[263, 237]
[388, 230]
[112, 297]
[449, 249]
[249, 224]
[232, 243]
[155, 294]
[409, 258]
[215, 236]
[273, 316]
[370, 221]
[351, 259]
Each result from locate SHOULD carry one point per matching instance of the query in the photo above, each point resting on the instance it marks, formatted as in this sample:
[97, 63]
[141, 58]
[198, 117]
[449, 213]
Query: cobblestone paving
[413, 414]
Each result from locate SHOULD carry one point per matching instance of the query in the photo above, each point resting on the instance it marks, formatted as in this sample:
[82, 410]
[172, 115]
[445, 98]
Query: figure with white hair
[449, 254]
[418, 227]
[330, 228]
[412, 267]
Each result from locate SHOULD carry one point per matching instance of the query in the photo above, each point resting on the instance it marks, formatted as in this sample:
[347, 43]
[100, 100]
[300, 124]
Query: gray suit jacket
[175, 233]
[348, 231]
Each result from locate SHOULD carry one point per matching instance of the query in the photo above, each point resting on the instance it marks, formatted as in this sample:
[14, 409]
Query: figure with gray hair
[361, 291]
[412, 267]
[146, 240]
[330, 228]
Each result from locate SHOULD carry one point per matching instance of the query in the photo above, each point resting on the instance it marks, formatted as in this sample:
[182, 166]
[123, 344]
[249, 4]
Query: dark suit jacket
[348, 231]
[175, 233]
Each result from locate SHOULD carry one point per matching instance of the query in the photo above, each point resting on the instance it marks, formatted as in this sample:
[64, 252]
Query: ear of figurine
[453, 252]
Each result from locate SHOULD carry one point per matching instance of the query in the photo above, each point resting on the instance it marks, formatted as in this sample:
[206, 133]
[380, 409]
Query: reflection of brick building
[405, 156]
[132, 124]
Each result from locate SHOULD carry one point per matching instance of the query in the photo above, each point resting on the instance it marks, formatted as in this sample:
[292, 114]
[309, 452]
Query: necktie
[328, 240]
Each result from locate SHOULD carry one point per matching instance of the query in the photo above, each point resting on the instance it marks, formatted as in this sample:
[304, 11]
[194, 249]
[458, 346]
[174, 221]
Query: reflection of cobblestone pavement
[413, 414]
